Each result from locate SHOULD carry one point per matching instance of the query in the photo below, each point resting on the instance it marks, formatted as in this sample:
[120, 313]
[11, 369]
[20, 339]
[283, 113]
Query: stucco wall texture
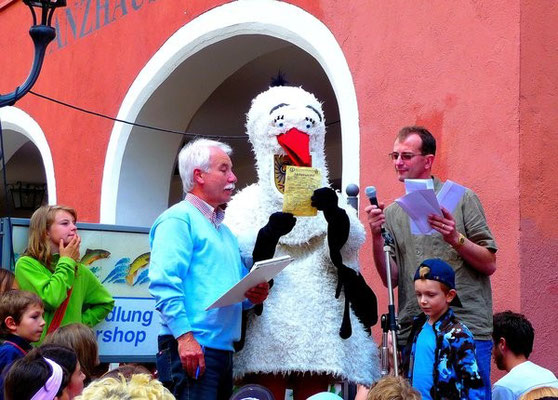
[538, 141]
[480, 74]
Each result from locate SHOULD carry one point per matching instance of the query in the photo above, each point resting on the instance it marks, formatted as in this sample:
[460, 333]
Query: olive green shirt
[410, 250]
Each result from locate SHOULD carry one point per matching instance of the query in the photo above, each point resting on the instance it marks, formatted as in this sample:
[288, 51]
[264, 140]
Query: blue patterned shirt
[456, 373]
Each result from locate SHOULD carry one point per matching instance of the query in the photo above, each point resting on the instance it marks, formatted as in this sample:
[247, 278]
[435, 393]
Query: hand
[72, 249]
[281, 223]
[390, 353]
[445, 225]
[324, 199]
[191, 355]
[376, 218]
[258, 293]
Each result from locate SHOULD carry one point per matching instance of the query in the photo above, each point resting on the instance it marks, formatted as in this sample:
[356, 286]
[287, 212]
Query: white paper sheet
[450, 195]
[421, 200]
[418, 184]
[419, 205]
[261, 272]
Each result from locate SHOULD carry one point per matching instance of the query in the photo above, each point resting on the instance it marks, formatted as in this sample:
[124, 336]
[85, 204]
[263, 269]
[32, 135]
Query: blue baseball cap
[442, 272]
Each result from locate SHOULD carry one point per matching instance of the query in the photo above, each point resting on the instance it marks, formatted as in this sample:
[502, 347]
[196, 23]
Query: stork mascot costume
[316, 321]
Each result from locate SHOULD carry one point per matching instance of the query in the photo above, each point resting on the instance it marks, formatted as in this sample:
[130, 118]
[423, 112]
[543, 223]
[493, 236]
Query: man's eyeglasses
[404, 156]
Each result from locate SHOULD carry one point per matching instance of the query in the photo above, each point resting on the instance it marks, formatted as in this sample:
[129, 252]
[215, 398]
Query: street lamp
[42, 35]
[27, 196]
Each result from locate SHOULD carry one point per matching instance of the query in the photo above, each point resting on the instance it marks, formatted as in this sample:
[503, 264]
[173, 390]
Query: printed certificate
[300, 183]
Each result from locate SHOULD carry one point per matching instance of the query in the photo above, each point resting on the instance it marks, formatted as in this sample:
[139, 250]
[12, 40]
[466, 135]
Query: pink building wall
[481, 75]
[538, 191]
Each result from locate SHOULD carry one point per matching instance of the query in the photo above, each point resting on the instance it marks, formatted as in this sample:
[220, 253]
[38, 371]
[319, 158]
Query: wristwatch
[460, 240]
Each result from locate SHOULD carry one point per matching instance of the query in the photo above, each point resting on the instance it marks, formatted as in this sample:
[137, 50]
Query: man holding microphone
[462, 239]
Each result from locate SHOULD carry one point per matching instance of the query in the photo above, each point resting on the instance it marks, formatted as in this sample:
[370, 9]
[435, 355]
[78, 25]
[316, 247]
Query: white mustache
[230, 186]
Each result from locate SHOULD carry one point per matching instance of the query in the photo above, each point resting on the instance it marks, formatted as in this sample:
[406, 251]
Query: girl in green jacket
[50, 267]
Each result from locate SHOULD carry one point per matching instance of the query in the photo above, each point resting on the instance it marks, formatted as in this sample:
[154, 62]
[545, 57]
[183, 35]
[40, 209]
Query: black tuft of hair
[279, 80]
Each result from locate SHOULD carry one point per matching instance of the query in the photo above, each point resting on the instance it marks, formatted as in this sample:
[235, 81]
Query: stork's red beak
[297, 146]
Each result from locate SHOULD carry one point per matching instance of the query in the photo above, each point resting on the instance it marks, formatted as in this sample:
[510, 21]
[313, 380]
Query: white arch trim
[266, 17]
[19, 121]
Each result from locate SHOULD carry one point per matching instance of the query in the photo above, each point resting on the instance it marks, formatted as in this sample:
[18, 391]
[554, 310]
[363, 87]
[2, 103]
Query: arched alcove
[202, 81]
[27, 156]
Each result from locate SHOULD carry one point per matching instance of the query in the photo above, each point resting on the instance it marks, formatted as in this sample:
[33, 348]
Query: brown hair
[14, 303]
[428, 141]
[27, 375]
[7, 279]
[82, 340]
[544, 392]
[38, 245]
[393, 388]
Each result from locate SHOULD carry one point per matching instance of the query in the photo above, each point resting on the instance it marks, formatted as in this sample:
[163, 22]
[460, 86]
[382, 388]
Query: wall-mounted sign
[119, 257]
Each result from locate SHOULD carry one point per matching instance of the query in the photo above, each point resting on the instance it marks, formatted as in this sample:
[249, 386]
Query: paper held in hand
[261, 272]
[300, 183]
[421, 201]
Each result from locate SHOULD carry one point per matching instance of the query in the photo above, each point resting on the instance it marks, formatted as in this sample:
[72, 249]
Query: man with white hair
[194, 259]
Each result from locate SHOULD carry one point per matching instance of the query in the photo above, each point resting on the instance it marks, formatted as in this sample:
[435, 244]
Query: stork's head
[286, 126]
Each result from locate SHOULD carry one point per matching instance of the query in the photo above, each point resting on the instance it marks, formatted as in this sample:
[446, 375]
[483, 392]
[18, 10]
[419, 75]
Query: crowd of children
[63, 364]
[60, 300]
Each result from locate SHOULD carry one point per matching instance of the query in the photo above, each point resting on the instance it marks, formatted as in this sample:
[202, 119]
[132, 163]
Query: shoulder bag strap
[59, 313]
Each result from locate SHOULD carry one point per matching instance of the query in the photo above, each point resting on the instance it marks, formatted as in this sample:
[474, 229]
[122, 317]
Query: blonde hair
[139, 386]
[38, 245]
[126, 371]
[540, 393]
[423, 271]
[393, 388]
[82, 340]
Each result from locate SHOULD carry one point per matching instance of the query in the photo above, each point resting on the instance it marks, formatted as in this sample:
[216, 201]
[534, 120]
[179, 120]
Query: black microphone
[370, 192]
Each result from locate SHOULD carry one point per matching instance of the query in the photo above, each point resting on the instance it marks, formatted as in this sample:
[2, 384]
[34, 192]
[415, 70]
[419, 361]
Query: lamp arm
[42, 35]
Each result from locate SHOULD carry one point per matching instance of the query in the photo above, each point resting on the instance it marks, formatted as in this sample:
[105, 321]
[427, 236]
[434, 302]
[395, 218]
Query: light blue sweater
[192, 264]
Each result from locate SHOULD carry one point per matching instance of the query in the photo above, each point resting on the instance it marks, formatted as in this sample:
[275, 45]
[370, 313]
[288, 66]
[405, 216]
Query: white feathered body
[298, 330]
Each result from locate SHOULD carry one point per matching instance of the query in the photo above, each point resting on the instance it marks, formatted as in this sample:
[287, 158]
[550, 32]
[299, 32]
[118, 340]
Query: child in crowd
[50, 267]
[126, 371]
[541, 393]
[393, 388]
[21, 323]
[139, 386]
[81, 339]
[36, 377]
[7, 280]
[439, 358]
[66, 358]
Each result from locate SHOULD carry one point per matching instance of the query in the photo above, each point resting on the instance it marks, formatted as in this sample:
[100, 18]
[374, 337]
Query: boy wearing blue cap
[439, 358]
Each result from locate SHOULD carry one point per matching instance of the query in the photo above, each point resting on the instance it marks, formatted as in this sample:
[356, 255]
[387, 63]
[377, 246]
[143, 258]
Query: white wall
[182, 75]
